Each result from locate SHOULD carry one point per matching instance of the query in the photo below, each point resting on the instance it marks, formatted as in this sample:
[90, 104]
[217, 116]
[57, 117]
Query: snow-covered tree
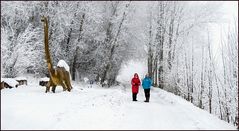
[95, 38]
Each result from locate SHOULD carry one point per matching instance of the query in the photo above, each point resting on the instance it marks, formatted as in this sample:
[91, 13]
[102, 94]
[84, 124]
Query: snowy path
[28, 107]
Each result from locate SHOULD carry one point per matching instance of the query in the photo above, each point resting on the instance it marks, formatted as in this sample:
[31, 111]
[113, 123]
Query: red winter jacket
[135, 82]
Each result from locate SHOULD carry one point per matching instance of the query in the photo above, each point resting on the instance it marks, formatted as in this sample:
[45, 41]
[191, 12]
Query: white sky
[219, 30]
[230, 11]
[231, 8]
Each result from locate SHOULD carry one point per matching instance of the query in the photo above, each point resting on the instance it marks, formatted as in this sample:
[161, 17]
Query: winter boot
[134, 97]
[147, 99]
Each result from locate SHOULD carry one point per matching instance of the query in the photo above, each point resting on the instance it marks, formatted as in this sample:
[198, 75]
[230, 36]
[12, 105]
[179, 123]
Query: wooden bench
[2, 85]
[8, 83]
[43, 81]
[21, 80]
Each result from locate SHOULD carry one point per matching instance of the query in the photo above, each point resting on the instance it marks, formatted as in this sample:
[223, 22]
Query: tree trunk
[170, 42]
[202, 81]
[150, 53]
[210, 75]
[112, 49]
[192, 76]
[155, 80]
[77, 48]
[150, 65]
[74, 64]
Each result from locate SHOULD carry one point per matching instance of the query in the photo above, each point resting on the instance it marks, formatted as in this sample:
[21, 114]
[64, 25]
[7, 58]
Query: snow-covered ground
[93, 107]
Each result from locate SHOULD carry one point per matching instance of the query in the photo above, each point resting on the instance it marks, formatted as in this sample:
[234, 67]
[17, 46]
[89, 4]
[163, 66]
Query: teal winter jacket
[147, 82]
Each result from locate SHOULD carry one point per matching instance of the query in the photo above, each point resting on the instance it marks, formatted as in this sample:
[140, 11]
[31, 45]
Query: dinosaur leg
[63, 85]
[68, 82]
[53, 88]
[68, 86]
[49, 84]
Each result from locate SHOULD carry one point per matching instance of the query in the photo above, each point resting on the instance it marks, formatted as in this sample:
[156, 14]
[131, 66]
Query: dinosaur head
[43, 18]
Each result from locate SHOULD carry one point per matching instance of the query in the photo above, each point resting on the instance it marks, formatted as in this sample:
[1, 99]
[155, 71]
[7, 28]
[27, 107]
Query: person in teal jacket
[146, 84]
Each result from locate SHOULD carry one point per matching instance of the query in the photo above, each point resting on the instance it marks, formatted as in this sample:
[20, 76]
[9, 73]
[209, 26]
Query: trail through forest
[93, 107]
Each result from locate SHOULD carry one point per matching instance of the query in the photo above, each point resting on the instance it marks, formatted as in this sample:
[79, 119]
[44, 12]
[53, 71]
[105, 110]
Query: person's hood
[136, 75]
[147, 77]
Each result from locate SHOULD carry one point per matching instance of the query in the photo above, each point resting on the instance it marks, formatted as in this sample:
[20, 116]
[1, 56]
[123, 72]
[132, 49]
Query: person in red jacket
[135, 82]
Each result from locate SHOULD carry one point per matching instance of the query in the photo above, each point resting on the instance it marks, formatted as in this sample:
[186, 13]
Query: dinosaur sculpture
[60, 75]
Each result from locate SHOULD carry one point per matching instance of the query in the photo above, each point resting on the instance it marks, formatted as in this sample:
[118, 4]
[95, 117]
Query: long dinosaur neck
[48, 57]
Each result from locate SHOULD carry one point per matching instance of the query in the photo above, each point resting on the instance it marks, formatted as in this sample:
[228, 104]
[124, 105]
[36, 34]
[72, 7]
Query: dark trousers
[147, 93]
[134, 96]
